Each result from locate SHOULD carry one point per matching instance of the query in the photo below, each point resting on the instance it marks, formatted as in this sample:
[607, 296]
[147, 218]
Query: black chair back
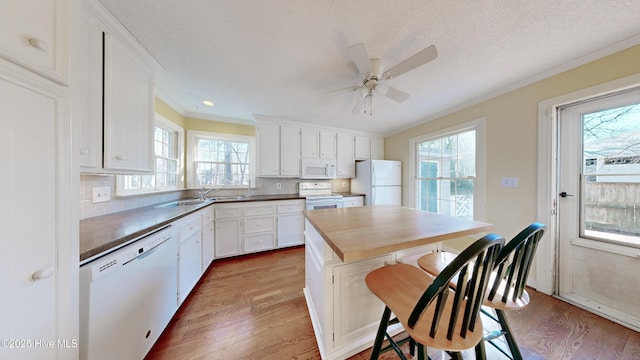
[514, 262]
[473, 268]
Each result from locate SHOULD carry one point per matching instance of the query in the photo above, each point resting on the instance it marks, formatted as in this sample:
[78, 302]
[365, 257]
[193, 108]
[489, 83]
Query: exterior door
[598, 206]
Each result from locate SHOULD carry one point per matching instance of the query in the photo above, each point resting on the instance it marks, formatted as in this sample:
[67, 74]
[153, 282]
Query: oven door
[316, 204]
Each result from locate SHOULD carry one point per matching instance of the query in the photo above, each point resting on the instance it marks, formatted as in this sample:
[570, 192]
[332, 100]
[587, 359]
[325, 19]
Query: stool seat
[432, 313]
[507, 280]
[400, 286]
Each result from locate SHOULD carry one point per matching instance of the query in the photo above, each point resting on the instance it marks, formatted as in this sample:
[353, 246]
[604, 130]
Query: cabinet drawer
[228, 212]
[190, 228]
[291, 207]
[259, 224]
[257, 242]
[207, 215]
[259, 210]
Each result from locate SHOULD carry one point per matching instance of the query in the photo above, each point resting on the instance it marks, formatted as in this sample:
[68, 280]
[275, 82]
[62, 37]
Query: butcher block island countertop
[359, 233]
[343, 245]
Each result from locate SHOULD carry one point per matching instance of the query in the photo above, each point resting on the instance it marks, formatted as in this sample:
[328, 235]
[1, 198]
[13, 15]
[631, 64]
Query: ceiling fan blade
[392, 93]
[357, 108]
[343, 90]
[360, 58]
[417, 60]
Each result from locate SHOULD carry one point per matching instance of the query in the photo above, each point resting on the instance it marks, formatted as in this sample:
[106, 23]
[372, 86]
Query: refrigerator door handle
[373, 195]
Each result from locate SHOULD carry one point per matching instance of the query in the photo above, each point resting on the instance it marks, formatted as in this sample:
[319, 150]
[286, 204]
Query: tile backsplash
[264, 186]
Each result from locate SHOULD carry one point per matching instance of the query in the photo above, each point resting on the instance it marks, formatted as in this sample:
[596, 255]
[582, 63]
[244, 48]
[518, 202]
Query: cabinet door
[128, 110]
[353, 201]
[346, 162]
[327, 145]
[228, 237]
[37, 257]
[33, 34]
[310, 143]
[189, 265]
[356, 310]
[268, 149]
[86, 88]
[208, 239]
[290, 151]
[290, 229]
[363, 148]
[377, 148]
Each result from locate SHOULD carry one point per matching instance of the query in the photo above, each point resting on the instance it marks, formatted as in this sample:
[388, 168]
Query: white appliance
[128, 297]
[318, 169]
[380, 181]
[318, 195]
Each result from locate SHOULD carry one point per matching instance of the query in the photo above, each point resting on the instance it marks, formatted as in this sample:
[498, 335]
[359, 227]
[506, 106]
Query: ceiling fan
[374, 76]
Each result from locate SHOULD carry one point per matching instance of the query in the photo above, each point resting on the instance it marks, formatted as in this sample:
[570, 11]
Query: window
[446, 170]
[167, 142]
[220, 160]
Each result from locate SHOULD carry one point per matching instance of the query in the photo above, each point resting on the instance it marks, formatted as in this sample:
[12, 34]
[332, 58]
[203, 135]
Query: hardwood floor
[252, 307]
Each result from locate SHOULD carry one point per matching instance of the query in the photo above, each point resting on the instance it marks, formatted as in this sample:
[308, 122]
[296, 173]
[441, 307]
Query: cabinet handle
[84, 151]
[43, 274]
[119, 157]
[39, 44]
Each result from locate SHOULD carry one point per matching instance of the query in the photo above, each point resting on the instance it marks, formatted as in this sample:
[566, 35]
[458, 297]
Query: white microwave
[318, 169]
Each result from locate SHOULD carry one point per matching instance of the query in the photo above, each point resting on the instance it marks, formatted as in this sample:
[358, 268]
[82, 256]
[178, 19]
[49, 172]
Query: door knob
[564, 194]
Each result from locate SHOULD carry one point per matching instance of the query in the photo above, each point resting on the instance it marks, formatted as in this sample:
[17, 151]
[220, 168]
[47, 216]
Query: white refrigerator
[380, 181]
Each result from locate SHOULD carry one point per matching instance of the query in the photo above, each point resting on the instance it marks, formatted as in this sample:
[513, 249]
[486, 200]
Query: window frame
[167, 125]
[479, 191]
[192, 136]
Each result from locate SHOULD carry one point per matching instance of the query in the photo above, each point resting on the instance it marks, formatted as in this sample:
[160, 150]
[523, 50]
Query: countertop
[359, 233]
[101, 234]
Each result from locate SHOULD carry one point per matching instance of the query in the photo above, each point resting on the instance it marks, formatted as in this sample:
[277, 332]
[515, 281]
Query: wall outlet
[101, 194]
[278, 186]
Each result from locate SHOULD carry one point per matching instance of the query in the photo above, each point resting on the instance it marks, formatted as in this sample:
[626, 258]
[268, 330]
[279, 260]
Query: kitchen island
[344, 245]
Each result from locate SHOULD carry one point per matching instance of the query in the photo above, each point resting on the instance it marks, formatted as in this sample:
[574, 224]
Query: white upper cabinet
[327, 144]
[86, 88]
[346, 163]
[268, 142]
[128, 109]
[111, 95]
[310, 143]
[279, 149]
[377, 148]
[33, 34]
[363, 148]
[290, 151]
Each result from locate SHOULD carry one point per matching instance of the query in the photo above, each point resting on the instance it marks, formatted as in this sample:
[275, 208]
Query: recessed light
[207, 102]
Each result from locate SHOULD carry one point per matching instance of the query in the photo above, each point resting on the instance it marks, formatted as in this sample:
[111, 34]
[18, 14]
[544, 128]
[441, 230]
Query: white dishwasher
[128, 297]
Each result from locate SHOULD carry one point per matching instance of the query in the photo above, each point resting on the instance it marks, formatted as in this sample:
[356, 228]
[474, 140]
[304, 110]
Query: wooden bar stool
[432, 313]
[507, 289]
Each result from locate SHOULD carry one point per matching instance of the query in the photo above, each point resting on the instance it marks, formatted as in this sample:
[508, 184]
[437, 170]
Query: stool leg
[513, 345]
[481, 351]
[382, 329]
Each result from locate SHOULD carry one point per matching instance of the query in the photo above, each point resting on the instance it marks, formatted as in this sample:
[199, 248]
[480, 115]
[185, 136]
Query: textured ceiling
[277, 58]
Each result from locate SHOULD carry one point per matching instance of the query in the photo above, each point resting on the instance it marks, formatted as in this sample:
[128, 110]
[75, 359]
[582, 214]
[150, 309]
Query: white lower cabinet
[189, 254]
[208, 237]
[344, 313]
[353, 201]
[290, 222]
[259, 226]
[228, 233]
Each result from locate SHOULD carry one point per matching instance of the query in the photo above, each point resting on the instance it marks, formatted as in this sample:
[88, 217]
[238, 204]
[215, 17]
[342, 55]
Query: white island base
[344, 313]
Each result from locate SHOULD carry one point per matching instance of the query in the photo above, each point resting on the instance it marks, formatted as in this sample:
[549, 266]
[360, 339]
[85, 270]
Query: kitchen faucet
[204, 191]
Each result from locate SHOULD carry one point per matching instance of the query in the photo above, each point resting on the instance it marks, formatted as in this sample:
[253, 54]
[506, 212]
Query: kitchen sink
[184, 203]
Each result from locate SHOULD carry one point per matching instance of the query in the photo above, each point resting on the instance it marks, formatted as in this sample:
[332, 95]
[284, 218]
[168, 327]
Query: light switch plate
[511, 182]
[101, 194]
